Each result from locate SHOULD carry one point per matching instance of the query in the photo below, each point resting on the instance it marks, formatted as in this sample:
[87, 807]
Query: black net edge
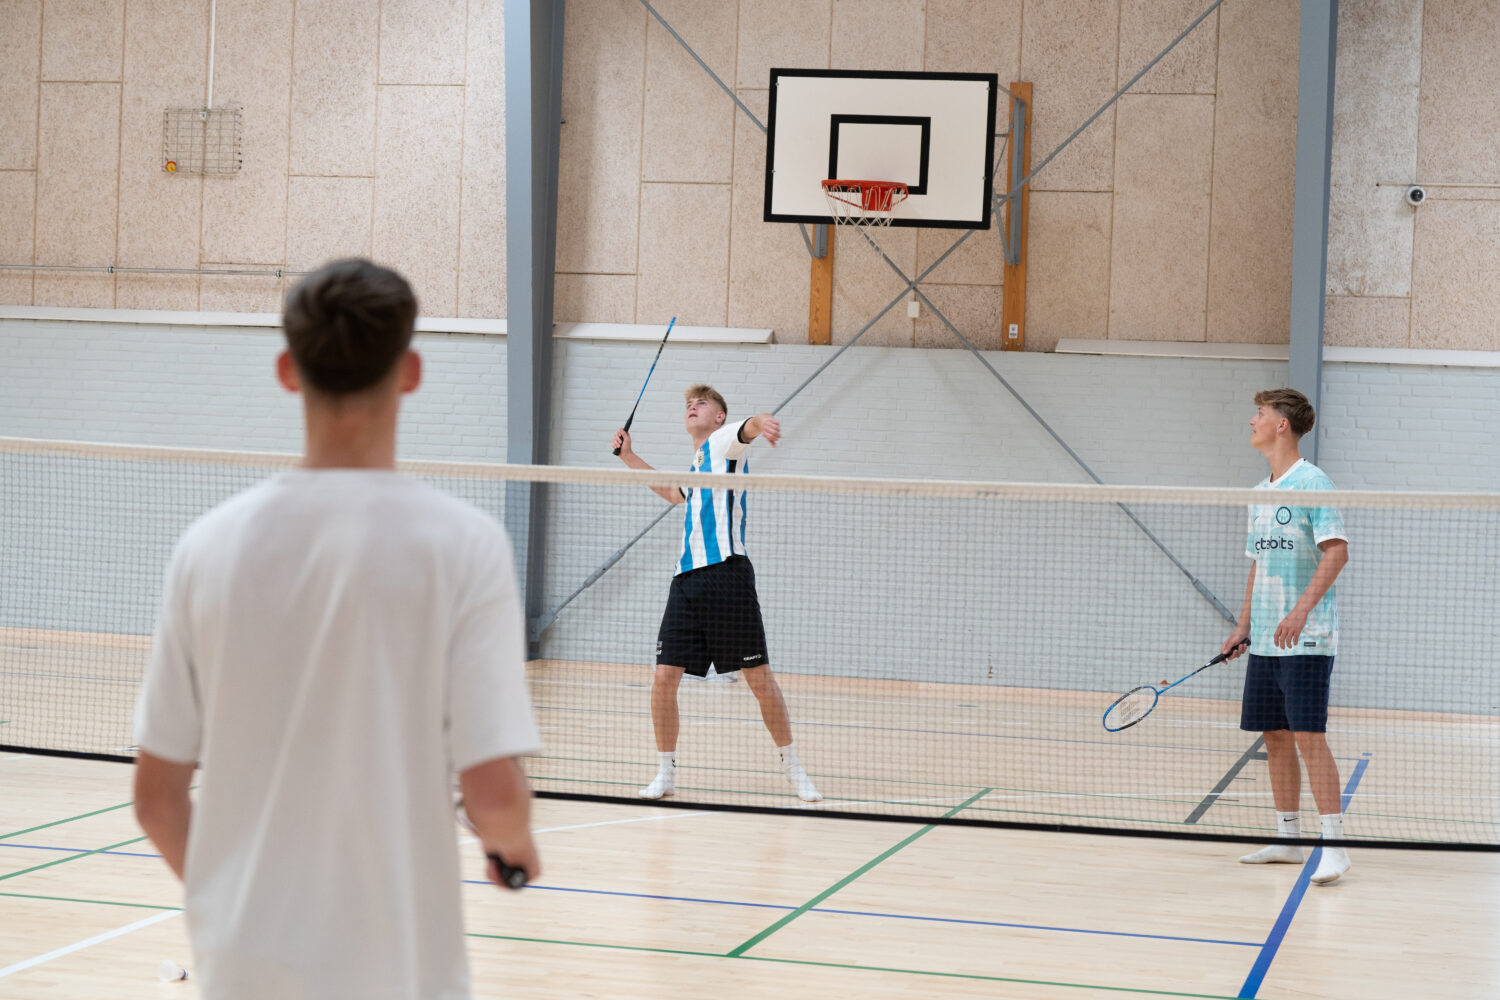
[956, 821]
[1001, 824]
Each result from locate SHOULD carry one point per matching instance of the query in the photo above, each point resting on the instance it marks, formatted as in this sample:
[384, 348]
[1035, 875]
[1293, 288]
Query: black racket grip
[514, 878]
[628, 420]
[1224, 656]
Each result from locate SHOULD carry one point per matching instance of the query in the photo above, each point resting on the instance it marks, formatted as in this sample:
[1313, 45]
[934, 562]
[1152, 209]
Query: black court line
[1253, 753]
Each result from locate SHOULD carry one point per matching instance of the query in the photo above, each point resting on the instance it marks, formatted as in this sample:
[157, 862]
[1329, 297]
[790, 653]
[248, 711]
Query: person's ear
[411, 371]
[286, 372]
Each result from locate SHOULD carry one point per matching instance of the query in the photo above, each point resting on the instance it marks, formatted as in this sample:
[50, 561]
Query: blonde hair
[708, 392]
[1291, 404]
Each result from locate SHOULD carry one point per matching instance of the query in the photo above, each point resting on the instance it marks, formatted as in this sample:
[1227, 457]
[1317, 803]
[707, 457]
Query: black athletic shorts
[1286, 692]
[713, 616]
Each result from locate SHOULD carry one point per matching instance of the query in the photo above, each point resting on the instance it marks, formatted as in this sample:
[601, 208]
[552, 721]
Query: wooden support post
[1013, 300]
[820, 296]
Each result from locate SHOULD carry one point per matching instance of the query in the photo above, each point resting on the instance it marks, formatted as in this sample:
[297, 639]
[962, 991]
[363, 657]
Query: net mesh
[863, 204]
[944, 649]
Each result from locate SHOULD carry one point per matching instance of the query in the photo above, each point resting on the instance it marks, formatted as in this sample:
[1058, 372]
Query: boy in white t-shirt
[1291, 618]
[334, 643]
[713, 612]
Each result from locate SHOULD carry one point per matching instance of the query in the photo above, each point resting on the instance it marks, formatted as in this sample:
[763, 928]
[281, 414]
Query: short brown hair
[1291, 404]
[347, 324]
[705, 392]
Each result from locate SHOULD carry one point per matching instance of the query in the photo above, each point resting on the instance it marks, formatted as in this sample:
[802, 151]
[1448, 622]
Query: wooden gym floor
[642, 901]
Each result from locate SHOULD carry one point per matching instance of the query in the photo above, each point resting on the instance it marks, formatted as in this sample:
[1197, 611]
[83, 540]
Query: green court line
[70, 819]
[97, 902]
[859, 968]
[745, 946]
[72, 857]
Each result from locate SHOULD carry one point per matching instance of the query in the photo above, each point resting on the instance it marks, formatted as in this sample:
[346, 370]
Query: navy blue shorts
[1286, 692]
[713, 616]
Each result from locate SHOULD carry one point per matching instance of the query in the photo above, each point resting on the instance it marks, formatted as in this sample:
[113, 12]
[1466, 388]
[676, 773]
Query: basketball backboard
[934, 132]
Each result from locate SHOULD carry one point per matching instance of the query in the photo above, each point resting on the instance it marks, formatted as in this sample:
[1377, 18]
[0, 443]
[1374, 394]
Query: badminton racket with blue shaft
[648, 377]
[1137, 703]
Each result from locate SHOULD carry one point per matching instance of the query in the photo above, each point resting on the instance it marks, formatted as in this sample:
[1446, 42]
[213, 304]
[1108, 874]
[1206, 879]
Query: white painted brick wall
[216, 388]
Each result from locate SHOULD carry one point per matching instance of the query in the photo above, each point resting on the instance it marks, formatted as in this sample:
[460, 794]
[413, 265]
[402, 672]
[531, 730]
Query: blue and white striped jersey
[713, 525]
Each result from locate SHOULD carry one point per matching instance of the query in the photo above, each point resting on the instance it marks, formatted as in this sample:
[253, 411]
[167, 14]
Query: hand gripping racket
[648, 377]
[514, 878]
[1137, 703]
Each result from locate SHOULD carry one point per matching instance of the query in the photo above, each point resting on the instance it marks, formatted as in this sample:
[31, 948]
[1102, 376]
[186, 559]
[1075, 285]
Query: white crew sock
[1333, 825]
[1289, 824]
[667, 761]
[788, 755]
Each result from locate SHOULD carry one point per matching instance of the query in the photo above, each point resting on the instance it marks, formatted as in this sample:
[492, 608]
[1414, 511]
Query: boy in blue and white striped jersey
[713, 612]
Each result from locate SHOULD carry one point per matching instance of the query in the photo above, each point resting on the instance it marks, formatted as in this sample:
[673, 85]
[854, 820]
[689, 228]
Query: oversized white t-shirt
[332, 644]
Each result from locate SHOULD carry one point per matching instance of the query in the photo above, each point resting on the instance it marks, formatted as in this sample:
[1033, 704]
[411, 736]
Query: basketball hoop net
[863, 204]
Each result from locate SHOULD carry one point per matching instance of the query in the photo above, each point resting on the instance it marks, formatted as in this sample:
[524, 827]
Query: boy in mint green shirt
[1291, 617]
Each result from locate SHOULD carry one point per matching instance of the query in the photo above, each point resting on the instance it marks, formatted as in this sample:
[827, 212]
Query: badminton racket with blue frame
[1137, 703]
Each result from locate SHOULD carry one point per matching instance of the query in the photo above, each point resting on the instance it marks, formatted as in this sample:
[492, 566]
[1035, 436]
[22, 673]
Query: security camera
[1415, 195]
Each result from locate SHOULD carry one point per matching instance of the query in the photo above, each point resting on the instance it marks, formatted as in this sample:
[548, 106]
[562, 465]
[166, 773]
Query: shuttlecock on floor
[170, 972]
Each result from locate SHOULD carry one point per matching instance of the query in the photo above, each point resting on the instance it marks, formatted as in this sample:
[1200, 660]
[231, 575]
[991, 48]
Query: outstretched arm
[761, 425]
[670, 494]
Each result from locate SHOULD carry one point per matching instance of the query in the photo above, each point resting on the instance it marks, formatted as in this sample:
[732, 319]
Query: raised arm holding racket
[713, 611]
[631, 419]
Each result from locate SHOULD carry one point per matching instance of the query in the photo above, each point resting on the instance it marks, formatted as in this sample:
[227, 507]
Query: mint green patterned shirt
[1283, 541]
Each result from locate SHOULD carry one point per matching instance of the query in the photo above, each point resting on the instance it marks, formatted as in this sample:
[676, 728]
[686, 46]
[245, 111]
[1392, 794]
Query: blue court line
[762, 906]
[78, 850]
[1289, 909]
[891, 916]
[895, 729]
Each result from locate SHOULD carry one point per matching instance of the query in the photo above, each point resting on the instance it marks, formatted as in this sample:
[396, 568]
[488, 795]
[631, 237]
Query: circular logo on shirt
[1283, 515]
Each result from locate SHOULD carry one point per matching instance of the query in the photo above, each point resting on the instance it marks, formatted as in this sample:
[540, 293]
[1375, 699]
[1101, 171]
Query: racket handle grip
[514, 878]
[630, 419]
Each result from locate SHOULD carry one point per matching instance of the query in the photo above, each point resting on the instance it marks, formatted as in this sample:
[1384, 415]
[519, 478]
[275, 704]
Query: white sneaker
[1285, 854]
[806, 791]
[1333, 864]
[664, 785]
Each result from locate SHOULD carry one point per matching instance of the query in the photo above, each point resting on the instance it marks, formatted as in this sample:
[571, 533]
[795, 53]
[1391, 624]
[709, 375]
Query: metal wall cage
[202, 141]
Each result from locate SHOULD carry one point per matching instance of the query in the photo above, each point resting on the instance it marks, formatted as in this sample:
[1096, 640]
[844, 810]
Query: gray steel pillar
[1315, 66]
[533, 113]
